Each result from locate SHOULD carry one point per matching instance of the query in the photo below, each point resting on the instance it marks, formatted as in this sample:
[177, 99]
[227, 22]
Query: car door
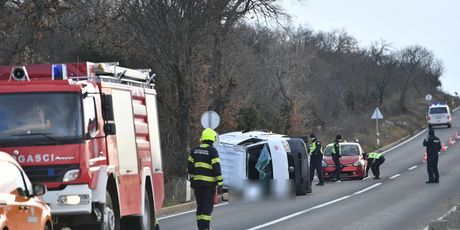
[10, 197]
[28, 215]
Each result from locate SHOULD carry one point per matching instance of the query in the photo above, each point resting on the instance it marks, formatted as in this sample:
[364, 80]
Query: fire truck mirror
[107, 108]
[109, 129]
[39, 189]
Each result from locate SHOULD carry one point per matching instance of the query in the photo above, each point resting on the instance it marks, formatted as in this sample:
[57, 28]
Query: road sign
[377, 114]
[428, 97]
[210, 119]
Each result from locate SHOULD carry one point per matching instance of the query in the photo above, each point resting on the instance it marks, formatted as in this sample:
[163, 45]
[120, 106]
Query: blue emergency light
[59, 72]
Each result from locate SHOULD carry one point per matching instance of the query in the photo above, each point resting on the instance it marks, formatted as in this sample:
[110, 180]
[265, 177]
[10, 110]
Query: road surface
[400, 200]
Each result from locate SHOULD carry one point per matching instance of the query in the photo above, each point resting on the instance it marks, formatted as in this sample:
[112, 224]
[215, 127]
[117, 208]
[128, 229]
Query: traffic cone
[451, 142]
[424, 157]
[456, 135]
[216, 197]
[443, 147]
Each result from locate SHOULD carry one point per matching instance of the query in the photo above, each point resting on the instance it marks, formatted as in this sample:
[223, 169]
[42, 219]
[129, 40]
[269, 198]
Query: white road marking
[190, 211]
[393, 177]
[413, 167]
[299, 213]
[366, 189]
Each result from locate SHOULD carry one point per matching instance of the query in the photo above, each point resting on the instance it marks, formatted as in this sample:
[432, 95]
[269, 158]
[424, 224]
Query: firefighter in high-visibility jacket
[204, 173]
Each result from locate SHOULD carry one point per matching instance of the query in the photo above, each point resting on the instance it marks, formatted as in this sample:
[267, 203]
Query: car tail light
[448, 117]
[428, 117]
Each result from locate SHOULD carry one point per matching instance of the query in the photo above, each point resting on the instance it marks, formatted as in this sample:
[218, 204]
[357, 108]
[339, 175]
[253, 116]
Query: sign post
[376, 116]
[210, 119]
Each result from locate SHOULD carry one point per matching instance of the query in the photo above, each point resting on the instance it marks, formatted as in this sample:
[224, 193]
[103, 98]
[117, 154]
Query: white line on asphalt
[416, 135]
[453, 209]
[299, 213]
[182, 213]
[413, 167]
[393, 177]
[366, 189]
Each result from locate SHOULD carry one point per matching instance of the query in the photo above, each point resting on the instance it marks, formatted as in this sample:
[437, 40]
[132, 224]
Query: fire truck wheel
[110, 218]
[147, 213]
[144, 222]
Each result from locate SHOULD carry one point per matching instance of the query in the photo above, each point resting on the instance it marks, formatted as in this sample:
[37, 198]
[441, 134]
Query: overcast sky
[434, 24]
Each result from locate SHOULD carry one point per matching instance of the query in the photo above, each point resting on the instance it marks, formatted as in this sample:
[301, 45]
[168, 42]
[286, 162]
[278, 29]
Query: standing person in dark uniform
[316, 159]
[204, 173]
[433, 146]
[336, 155]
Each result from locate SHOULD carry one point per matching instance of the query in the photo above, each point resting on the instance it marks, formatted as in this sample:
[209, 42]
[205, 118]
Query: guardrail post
[438, 225]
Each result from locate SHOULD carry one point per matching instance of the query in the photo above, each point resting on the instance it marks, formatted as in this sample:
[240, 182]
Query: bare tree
[225, 15]
[411, 60]
[379, 52]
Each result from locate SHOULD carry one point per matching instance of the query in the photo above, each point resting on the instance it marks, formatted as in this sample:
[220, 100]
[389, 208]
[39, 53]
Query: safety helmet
[338, 137]
[208, 134]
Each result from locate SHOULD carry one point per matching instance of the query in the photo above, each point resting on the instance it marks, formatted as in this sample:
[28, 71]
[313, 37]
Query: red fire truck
[90, 132]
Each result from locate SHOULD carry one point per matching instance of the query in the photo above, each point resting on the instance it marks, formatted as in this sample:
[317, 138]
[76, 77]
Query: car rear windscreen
[438, 110]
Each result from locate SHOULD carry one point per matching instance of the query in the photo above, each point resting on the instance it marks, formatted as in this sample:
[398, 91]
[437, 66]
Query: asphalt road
[400, 200]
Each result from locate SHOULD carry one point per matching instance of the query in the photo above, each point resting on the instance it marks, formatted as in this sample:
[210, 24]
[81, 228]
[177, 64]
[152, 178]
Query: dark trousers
[204, 204]
[338, 167]
[315, 164]
[368, 166]
[432, 168]
[376, 166]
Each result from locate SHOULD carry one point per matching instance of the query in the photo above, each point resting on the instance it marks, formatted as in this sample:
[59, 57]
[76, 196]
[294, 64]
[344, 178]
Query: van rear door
[232, 163]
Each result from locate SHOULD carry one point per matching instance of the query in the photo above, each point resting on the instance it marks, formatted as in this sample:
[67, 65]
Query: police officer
[204, 173]
[433, 146]
[316, 159]
[374, 160]
[336, 155]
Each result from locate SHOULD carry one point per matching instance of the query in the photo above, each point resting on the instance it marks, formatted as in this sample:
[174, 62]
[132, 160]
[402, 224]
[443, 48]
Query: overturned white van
[256, 156]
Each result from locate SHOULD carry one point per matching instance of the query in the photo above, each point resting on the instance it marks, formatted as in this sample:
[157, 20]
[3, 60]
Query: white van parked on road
[439, 114]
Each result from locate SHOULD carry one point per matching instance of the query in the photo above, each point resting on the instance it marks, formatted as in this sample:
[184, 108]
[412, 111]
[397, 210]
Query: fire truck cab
[90, 132]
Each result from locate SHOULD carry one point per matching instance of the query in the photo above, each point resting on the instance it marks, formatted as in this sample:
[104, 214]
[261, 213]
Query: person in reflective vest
[374, 160]
[433, 146]
[205, 174]
[316, 159]
[336, 155]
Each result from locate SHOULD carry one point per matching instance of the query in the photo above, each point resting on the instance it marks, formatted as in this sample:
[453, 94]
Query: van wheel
[430, 126]
[449, 125]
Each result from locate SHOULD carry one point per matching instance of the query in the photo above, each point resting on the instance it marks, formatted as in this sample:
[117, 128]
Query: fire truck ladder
[110, 71]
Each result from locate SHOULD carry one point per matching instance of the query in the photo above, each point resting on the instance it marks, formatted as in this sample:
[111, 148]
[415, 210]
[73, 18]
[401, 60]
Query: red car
[352, 160]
